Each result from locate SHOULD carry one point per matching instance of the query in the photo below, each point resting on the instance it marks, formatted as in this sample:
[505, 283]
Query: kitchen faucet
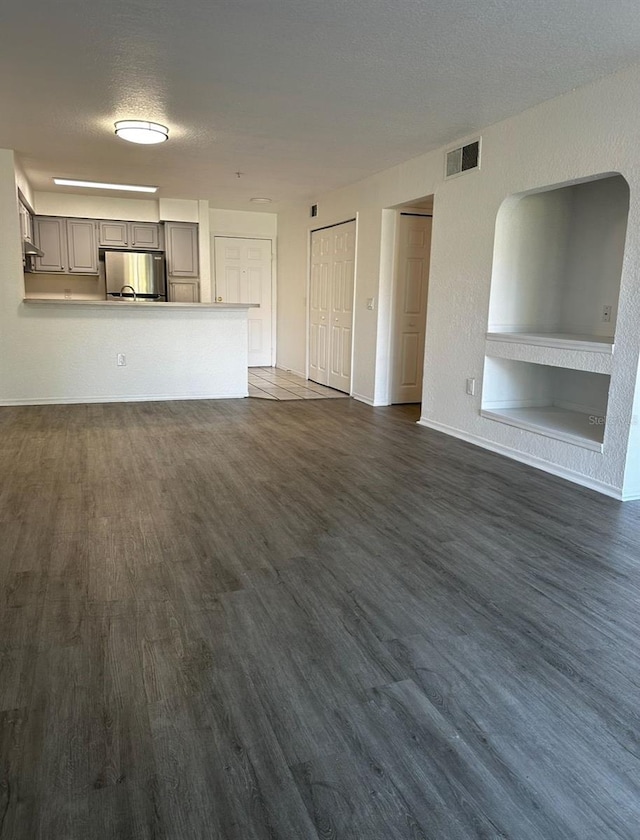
[128, 287]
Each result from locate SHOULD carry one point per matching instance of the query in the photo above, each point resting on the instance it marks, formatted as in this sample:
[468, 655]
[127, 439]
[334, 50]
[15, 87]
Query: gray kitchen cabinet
[145, 235]
[113, 234]
[131, 235]
[182, 249]
[69, 245]
[50, 236]
[184, 291]
[82, 247]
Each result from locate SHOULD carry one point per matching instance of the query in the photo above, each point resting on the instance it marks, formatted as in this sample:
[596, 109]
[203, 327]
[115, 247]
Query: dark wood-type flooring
[306, 621]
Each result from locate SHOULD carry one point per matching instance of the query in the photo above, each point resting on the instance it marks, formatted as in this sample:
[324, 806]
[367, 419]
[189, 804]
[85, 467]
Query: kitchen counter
[153, 305]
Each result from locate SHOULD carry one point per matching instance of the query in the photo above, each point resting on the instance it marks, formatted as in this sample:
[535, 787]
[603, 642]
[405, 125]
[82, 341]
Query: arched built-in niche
[558, 259]
[555, 285]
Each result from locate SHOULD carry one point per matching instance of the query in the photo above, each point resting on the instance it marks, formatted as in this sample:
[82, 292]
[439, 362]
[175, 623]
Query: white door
[331, 305]
[319, 306]
[243, 275]
[410, 308]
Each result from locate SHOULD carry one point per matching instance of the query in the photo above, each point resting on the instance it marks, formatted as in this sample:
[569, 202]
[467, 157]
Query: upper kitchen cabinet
[26, 222]
[50, 235]
[82, 251]
[113, 234]
[130, 235]
[182, 249]
[145, 235]
[68, 245]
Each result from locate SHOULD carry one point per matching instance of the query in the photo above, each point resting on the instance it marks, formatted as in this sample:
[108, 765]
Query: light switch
[371, 303]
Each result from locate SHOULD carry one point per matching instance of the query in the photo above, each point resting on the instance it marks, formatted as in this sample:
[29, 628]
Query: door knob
[219, 300]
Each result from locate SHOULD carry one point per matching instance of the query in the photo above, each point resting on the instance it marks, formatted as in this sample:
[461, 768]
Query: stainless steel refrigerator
[136, 275]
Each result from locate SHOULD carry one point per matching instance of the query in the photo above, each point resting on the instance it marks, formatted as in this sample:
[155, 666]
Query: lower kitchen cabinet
[184, 291]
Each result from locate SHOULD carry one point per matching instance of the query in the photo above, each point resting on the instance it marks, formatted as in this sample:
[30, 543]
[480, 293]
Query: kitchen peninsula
[112, 351]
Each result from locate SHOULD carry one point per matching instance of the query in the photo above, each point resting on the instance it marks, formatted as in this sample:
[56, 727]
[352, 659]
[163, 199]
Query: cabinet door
[182, 291]
[26, 225]
[182, 249]
[113, 234]
[82, 247]
[50, 238]
[144, 235]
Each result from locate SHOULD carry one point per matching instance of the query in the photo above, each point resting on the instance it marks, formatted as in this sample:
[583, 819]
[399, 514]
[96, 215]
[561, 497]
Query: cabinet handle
[219, 300]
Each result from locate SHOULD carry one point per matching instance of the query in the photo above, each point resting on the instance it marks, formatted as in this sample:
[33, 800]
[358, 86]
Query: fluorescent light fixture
[141, 131]
[261, 200]
[97, 185]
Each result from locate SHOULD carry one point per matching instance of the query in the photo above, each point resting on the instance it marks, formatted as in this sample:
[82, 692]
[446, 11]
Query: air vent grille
[462, 159]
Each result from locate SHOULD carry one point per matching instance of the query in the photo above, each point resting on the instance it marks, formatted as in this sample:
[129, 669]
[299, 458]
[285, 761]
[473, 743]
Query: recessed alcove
[566, 404]
[558, 260]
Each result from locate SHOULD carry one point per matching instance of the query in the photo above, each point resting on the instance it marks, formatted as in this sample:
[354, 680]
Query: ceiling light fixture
[261, 200]
[97, 185]
[141, 131]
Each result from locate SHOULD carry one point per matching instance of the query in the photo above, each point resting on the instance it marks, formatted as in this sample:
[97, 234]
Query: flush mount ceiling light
[97, 185]
[141, 131]
[261, 200]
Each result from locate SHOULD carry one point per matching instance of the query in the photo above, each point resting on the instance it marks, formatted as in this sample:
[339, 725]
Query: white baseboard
[367, 400]
[530, 460]
[291, 370]
[120, 399]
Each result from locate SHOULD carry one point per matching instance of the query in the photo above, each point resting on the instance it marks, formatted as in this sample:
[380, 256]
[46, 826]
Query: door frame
[274, 295]
[308, 294]
[402, 211]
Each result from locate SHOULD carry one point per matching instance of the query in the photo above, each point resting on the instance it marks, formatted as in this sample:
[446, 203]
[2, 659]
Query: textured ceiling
[301, 96]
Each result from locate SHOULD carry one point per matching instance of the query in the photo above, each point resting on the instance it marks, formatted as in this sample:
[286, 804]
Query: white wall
[23, 184]
[529, 259]
[96, 207]
[53, 353]
[594, 255]
[589, 131]
[243, 223]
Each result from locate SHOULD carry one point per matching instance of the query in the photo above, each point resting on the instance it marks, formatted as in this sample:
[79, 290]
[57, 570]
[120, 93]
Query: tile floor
[268, 383]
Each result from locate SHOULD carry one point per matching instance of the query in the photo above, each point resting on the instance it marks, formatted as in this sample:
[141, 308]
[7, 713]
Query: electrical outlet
[471, 387]
[606, 314]
[121, 360]
[67, 294]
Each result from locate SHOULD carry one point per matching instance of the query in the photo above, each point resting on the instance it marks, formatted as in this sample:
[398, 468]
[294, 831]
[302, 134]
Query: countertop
[117, 304]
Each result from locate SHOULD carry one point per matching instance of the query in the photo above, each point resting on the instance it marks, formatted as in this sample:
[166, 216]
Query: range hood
[31, 250]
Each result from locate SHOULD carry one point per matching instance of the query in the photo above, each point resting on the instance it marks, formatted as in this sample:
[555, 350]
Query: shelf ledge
[564, 341]
[573, 427]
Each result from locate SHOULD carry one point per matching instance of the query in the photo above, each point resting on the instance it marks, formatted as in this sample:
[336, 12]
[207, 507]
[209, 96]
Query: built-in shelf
[561, 341]
[573, 427]
[558, 402]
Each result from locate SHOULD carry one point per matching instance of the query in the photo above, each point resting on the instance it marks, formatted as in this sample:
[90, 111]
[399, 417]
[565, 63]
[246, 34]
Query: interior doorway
[243, 275]
[333, 251]
[410, 299]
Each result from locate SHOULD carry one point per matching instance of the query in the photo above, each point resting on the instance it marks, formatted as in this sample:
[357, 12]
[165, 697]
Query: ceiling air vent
[462, 159]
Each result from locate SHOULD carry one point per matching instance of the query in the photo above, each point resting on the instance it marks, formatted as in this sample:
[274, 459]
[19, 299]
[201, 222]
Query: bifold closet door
[331, 305]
